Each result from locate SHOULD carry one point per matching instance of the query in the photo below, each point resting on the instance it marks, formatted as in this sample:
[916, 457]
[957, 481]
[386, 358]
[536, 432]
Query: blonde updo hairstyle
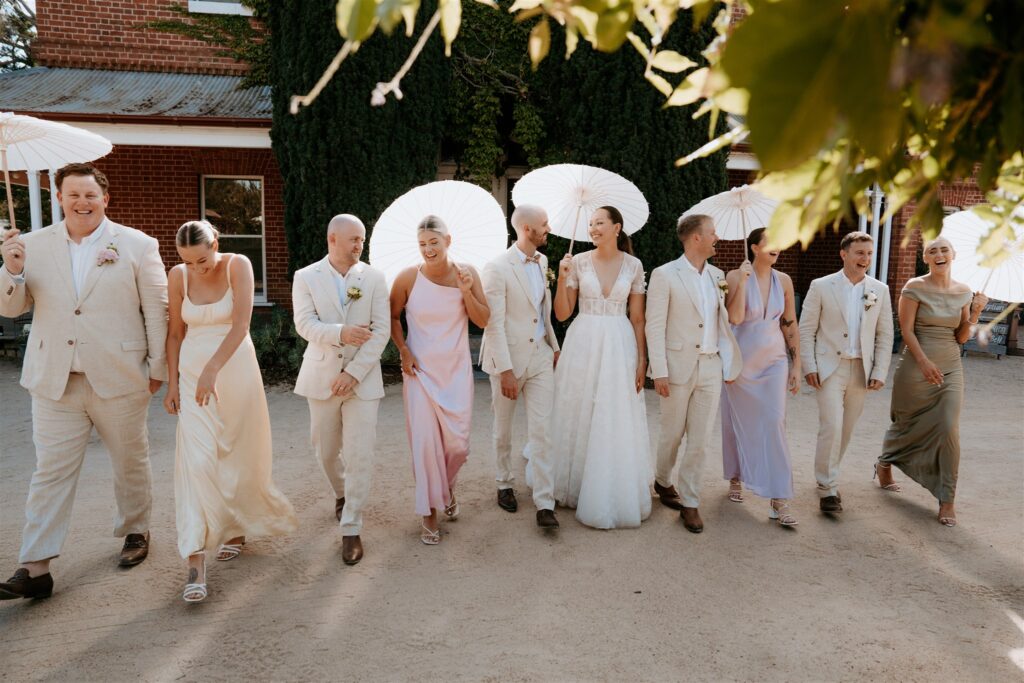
[196, 233]
[433, 224]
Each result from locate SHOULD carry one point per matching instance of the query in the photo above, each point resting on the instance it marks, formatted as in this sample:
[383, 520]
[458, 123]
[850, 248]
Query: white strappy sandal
[781, 514]
[893, 486]
[195, 591]
[229, 551]
[736, 491]
[429, 537]
[452, 509]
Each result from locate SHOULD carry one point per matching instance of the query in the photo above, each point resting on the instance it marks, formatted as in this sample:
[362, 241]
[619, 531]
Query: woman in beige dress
[223, 490]
[936, 315]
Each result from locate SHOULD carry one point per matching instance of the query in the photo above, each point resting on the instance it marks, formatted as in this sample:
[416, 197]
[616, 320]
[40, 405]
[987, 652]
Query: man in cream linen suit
[519, 351]
[846, 333]
[98, 295]
[691, 349]
[341, 308]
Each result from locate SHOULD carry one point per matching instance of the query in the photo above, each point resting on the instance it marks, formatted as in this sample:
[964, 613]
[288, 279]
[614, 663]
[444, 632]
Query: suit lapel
[95, 272]
[326, 271]
[867, 332]
[354, 279]
[840, 296]
[519, 270]
[691, 284]
[62, 258]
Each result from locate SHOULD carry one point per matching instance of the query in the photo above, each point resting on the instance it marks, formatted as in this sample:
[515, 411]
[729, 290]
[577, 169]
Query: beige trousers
[60, 431]
[840, 404]
[537, 391]
[344, 435]
[689, 411]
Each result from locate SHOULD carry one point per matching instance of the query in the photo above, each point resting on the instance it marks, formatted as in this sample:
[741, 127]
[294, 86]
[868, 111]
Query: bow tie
[532, 259]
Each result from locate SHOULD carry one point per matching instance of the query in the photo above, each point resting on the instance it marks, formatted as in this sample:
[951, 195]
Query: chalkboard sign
[996, 345]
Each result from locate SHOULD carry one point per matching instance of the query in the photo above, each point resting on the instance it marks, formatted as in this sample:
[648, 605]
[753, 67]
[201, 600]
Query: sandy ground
[882, 591]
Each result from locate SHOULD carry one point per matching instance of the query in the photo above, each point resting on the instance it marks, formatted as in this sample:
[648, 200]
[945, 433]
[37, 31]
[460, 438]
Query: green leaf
[612, 27]
[451, 17]
[638, 44]
[539, 42]
[391, 12]
[672, 62]
[659, 82]
[690, 90]
[520, 5]
[710, 148]
[572, 39]
[356, 19]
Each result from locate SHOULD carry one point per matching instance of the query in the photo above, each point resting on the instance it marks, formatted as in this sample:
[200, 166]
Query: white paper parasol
[570, 193]
[1005, 282]
[31, 144]
[474, 219]
[736, 212]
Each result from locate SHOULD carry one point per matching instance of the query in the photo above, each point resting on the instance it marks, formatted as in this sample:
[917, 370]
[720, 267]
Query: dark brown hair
[855, 236]
[81, 169]
[689, 225]
[196, 232]
[623, 242]
[754, 238]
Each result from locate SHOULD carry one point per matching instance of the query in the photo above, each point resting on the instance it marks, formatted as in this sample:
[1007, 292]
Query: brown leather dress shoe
[135, 550]
[546, 519]
[668, 496]
[507, 500]
[351, 549]
[21, 585]
[339, 505]
[691, 520]
[831, 504]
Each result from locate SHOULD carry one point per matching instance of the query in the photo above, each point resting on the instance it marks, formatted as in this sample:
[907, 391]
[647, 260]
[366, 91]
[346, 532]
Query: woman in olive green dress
[936, 315]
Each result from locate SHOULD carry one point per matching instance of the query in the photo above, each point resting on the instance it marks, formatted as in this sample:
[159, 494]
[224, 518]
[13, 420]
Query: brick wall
[156, 189]
[107, 35]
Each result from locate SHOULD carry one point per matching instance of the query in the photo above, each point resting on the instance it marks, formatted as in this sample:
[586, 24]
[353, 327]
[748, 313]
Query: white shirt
[854, 311]
[340, 282]
[83, 260]
[536, 277]
[708, 290]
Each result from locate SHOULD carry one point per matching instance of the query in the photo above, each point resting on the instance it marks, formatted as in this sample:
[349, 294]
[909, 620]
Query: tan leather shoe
[135, 550]
[668, 496]
[351, 549]
[691, 520]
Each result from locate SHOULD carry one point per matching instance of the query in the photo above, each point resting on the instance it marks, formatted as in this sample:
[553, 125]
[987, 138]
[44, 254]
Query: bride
[602, 450]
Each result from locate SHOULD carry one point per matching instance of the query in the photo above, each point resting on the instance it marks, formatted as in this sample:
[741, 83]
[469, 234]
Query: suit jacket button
[531, 341]
[9, 290]
[340, 355]
[78, 311]
[839, 353]
[71, 342]
[698, 346]
[700, 324]
[534, 320]
[845, 335]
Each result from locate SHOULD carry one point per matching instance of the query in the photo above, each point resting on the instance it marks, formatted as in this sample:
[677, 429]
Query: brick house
[189, 143]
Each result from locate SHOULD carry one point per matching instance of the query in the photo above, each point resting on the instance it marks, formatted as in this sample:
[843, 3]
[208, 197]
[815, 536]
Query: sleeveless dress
[222, 471]
[439, 398]
[924, 437]
[600, 444]
[754, 445]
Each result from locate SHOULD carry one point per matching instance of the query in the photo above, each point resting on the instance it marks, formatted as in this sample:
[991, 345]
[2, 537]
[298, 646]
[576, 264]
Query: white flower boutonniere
[550, 276]
[354, 293]
[724, 287]
[108, 255]
[870, 299]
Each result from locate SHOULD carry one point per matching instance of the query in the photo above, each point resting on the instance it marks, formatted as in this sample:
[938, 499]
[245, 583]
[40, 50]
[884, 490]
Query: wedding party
[511, 366]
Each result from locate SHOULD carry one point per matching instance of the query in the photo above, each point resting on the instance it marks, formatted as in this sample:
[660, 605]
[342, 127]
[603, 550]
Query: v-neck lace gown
[222, 469]
[600, 443]
[754, 446]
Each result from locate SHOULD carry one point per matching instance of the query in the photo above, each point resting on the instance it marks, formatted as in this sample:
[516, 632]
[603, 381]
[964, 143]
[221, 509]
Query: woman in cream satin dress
[223, 490]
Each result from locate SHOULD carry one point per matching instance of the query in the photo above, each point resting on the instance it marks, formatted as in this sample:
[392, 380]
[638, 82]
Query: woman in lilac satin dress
[763, 315]
[438, 298]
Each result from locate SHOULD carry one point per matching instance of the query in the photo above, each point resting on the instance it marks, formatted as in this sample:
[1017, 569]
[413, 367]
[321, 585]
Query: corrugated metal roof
[131, 93]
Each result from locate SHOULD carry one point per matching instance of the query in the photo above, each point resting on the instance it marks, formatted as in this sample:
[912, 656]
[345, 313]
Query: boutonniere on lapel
[353, 293]
[870, 299]
[549, 275]
[723, 286]
[108, 255]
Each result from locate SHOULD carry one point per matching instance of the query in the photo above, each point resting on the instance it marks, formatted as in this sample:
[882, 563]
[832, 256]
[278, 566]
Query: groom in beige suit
[691, 349]
[846, 332]
[98, 295]
[341, 308]
[519, 352]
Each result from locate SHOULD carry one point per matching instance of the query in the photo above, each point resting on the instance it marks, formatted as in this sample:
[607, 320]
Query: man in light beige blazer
[519, 352]
[846, 332]
[691, 349]
[341, 308]
[98, 295]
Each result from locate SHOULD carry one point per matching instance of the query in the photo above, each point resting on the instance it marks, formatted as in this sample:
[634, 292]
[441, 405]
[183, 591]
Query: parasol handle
[572, 242]
[7, 184]
[746, 236]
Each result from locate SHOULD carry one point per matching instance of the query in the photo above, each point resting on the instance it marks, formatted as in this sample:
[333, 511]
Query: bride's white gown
[603, 464]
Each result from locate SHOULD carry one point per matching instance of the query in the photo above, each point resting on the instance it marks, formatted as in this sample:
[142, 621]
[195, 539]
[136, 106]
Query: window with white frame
[218, 7]
[234, 205]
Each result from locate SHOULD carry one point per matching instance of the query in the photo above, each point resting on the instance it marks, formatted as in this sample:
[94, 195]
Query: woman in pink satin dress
[438, 298]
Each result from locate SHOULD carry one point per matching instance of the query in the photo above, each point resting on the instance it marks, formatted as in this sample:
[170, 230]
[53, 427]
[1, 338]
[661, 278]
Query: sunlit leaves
[672, 62]
[451, 18]
[539, 42]
[357, 19]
